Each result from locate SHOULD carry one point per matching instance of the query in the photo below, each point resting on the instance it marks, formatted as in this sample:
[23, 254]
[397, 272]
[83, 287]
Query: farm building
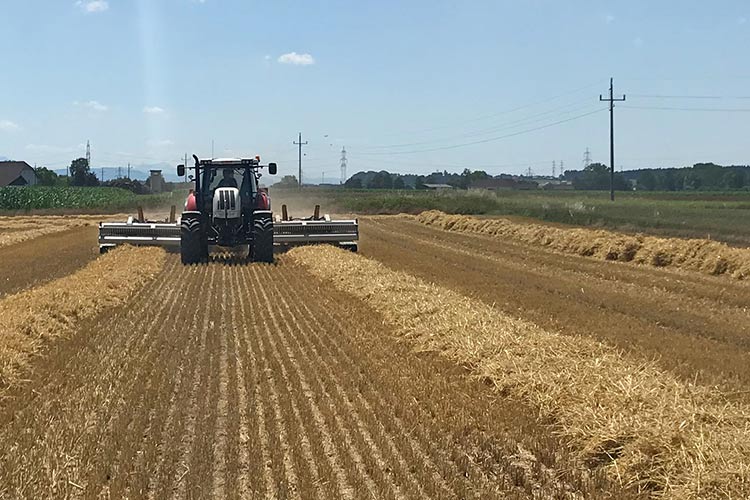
[556, 185]
[156, 181]
[438, 187]
[16, 173]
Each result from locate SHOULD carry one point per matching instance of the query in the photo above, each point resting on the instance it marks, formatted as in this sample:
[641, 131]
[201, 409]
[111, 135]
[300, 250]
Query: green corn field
[33, 198]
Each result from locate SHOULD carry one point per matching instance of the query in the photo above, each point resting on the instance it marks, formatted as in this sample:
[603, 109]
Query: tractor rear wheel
[191, 241]
[262, 246]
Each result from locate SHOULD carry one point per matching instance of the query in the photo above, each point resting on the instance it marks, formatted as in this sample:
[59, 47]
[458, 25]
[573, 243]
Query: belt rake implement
[290, 231]
[229, 210]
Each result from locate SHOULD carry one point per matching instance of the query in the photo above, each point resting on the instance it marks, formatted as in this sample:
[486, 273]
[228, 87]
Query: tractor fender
[190, 204]
[264, 202]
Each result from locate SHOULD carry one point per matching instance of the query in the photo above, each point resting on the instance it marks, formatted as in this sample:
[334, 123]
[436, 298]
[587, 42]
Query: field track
[696, 325]
[269, 385]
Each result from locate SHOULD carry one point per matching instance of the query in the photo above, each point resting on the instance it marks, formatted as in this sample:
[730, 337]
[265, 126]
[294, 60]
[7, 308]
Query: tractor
[226, 208]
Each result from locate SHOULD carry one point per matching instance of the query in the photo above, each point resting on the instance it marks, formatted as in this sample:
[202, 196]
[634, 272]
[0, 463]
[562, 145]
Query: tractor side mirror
[181, 170]
[272, 168]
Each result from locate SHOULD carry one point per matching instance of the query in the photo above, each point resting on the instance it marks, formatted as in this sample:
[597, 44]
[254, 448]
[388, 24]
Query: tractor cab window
[223, 177]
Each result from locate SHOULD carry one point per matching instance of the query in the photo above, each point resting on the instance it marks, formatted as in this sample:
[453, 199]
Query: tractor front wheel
[262, 246]
[192, 249]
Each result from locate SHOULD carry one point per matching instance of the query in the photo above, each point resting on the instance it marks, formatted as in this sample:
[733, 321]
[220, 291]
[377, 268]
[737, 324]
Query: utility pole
[102, 174]
[611, 101]
[88, 154]
[586, 158]
[300, 144]
[562, 172]
[186, 164]
[323, 177]
[343, 165]
[128, 170]
[554, 164]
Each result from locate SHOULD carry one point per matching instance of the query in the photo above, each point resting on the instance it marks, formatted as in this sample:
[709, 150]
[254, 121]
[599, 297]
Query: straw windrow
[706, 256]
[650, 429]
[33, 317]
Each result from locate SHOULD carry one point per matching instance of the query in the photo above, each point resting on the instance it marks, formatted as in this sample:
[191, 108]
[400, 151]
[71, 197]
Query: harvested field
[16, 229]
[706, 256]
[46, 257]
[266, 393]
[34, 317]
[327, 375]
[656, 432]
[695, 325]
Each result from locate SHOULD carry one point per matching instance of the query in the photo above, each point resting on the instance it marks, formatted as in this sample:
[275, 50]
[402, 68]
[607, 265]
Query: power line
[509, 125]
[671, 108]
[453, 123]
[659, 96]
[491, 139]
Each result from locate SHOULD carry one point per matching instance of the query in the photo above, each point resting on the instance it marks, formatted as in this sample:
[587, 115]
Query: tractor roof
[231, 162]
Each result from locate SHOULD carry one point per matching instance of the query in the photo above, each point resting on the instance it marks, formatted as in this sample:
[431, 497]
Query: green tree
[81, 174]
[398, 183]
[288, 181]
[46, 177]
[734, 179]
[382, 180]
[647, 180]
[692, 181]
[597, 168]
[353, 183]
[667, 181]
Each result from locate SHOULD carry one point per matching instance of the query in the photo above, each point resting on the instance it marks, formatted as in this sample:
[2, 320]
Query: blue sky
[409, 86]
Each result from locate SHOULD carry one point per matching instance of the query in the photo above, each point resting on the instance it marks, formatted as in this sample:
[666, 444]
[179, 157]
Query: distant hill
[3, 158]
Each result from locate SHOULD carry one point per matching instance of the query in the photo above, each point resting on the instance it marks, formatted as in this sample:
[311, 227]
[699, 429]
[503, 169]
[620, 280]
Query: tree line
[387, 180]
[80, 175]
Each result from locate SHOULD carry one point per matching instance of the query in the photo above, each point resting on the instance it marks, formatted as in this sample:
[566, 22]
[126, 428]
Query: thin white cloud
[160, 142]
[609, 19]
[741, 20]
[153, 110]
[93, 6]
[638, 42]
[9, 126]
[297, 59]
[267, 57]
[92, 105]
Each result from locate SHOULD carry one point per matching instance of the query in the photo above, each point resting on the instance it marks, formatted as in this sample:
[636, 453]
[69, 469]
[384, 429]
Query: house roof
[11, 170]
[438, 186]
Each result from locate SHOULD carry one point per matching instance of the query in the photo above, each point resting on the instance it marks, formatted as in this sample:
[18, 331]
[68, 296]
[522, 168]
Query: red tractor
[226, 208]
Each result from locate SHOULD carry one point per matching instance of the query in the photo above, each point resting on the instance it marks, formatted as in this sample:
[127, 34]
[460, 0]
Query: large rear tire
[191, 241]
[262, 246]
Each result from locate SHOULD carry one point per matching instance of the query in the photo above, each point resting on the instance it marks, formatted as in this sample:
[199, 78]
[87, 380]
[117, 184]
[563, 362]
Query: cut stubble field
[328, 375]
[272, 384]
